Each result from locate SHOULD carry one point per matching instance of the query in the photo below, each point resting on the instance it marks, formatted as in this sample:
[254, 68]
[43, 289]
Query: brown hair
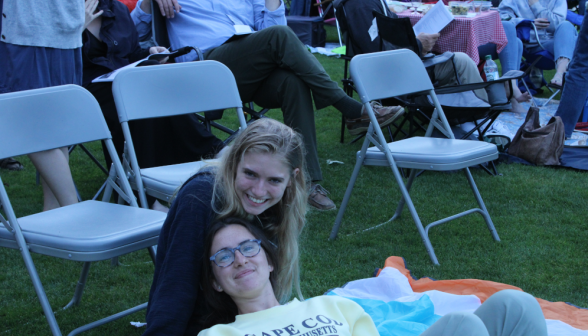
[222, 308]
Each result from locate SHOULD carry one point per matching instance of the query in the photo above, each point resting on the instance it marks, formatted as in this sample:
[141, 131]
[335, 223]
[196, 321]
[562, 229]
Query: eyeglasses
[248, 248]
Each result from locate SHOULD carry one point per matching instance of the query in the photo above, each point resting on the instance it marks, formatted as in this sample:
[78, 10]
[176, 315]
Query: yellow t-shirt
[319, 316]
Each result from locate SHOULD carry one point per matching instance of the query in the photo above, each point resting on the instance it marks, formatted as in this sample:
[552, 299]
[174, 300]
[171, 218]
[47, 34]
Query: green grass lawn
[538, 212]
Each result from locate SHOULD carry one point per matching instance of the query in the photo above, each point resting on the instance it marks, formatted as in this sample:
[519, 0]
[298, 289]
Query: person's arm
[141, 16]
[360, 323]
[426, 42]
[173, 293]
[507, 10]
[555, 15]
[265, 16]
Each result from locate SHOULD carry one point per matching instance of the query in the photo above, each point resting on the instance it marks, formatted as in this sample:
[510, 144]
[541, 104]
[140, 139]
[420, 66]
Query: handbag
[541, 145]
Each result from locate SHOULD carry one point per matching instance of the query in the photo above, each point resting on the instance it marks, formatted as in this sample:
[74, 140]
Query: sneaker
[384, 114]
[318, 198]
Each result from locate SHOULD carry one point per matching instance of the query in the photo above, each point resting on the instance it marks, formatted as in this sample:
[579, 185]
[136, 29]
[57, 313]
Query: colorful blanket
[403, 306]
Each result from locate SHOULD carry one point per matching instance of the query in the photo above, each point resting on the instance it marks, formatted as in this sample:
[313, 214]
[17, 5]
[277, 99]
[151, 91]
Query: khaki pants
[466, 70]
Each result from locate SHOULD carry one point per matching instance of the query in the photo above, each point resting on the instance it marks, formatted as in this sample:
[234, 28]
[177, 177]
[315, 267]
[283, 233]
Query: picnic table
[466, 34]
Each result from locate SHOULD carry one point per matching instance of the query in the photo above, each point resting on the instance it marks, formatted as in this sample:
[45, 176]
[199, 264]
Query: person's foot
[318, 199]
[516, 106]
[11, 164]
[384, 114]
[522, 97]
[557, 79]
[159, 207]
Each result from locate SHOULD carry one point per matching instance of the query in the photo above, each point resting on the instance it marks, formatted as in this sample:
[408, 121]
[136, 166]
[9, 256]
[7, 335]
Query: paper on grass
[434, 21]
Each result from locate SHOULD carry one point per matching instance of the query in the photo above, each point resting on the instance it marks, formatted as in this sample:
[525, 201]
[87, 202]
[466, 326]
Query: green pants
[275, 70]
[506, 313]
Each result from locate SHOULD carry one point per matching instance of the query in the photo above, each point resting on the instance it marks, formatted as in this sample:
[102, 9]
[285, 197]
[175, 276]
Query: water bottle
[490, 69]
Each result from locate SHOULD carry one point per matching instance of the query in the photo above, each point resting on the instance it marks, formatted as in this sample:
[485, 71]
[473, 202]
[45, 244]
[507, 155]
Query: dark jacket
[176, 303]
[120, 35]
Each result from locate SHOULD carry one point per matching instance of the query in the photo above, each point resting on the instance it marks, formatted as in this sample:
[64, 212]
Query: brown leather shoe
[318, 198]
[384, 114]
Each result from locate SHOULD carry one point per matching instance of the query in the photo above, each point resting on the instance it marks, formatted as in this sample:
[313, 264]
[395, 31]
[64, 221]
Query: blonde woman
[261, 178]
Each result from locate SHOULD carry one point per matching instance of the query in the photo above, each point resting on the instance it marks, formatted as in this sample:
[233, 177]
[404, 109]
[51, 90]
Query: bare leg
[517, 97]
[561, 66]
[58, 186]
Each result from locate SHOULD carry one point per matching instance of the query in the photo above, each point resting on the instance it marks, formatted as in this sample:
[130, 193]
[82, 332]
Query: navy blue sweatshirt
[175, 300]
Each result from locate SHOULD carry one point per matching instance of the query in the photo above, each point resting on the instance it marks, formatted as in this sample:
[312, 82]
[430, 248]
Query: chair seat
[162, 182]
[434, 153]
[87, 227]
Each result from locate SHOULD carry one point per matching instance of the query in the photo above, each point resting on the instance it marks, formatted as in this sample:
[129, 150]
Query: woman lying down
[238, 283]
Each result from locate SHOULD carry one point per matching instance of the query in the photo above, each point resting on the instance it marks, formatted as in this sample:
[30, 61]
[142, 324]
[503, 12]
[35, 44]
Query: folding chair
[375, 76]
[169, 90]
[89, 231]
[210, 118]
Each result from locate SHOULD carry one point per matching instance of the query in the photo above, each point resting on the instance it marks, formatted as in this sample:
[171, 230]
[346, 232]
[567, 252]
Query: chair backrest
[48, 118]
[355, 18]
[389, 74]
[397, 31]
[175, 89]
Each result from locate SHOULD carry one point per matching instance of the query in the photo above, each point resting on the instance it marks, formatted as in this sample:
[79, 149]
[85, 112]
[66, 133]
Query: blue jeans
[563, 41]
[510, 56]
[576, 87]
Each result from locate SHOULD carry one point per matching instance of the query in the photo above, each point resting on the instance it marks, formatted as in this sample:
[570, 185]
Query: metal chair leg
[77, 298]
[481, 204]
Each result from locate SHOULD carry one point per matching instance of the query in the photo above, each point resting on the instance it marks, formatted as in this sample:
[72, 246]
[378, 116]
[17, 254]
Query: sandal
[11, 164]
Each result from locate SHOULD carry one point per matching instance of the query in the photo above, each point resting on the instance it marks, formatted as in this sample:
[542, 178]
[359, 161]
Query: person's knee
[463, 62]
[463, 323]
[567, 27]
[509, 26]
[513, 300]
[280, 31]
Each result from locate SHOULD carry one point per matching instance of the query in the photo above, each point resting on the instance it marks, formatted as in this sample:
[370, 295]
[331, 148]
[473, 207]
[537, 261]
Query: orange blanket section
[576, 317]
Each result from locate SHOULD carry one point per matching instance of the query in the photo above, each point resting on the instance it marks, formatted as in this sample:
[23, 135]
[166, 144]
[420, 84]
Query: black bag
[541, 145]
[309, 29]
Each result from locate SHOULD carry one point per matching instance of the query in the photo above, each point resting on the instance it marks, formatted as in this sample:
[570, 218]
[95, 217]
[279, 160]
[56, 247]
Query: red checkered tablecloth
[466, 34]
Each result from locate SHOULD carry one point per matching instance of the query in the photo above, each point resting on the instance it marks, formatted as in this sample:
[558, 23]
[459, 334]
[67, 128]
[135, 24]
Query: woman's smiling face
[261, 181]
[245, 277]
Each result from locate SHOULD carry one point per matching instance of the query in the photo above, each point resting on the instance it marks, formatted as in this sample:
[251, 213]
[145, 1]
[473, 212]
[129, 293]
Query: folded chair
[56, 117]
[375, 76]
[169, 90]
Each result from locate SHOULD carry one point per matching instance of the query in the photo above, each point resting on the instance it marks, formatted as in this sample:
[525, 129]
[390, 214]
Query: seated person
[110, 42]
[238, 281]
[556, 35]
[358, 14]
[575, 91]
[271, 66]
[510, 59]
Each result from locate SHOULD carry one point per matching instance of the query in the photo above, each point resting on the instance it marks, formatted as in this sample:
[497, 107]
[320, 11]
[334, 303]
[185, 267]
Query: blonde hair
[287, 217]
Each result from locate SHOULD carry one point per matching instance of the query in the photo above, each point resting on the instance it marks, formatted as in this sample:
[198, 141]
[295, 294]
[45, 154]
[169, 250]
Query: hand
[157, 50]
[427, 41]
[167, 7]
[541, 23]
[90, 9]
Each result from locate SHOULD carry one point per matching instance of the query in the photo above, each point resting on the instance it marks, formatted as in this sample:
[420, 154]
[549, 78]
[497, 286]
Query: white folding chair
[56, 117]
[396, 73]
[169, 90]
